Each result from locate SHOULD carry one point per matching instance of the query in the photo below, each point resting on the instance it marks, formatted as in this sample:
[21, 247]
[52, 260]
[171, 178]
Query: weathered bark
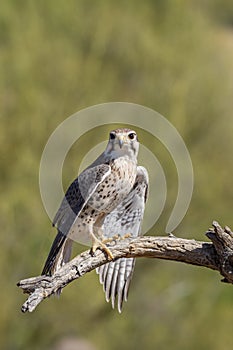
[217, 255]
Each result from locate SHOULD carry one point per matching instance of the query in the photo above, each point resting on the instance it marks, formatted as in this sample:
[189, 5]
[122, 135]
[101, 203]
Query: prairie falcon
[106, 199]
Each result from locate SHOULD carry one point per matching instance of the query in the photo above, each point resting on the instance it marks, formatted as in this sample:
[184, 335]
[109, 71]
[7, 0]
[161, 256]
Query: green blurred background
[58, 57]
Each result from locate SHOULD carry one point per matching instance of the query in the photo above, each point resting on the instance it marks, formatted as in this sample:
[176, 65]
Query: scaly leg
[97, 243]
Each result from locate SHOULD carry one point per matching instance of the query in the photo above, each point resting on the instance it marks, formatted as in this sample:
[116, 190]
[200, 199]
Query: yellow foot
[116, 237]
[111, 239]
[97, 244]
[127, 235]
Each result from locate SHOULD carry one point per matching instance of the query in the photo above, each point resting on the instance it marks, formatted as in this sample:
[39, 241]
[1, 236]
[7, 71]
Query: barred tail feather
[115, 277]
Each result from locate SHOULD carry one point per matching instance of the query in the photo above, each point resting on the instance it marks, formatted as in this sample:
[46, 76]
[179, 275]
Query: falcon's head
[123, 142]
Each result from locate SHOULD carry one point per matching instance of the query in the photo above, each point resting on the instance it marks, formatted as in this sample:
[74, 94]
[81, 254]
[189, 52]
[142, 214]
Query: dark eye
[131, 136]
[112, 136]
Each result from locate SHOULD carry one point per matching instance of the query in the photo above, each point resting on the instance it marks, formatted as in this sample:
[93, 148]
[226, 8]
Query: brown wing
[76, 197]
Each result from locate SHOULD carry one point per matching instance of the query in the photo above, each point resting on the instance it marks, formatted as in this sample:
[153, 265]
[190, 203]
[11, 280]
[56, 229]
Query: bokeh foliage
[58, 57]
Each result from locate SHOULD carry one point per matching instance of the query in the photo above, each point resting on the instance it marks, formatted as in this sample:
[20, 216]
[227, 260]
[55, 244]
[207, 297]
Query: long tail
[59, 254]
[115, 277]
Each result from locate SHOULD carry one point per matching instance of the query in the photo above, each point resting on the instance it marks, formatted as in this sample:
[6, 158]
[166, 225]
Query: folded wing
[76, 197]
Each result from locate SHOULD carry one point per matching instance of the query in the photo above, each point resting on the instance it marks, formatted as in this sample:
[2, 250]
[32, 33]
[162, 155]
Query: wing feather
[76, 197]
[78, 194]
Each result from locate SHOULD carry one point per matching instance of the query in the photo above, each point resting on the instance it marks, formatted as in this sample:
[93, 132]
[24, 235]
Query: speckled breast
[116, 186]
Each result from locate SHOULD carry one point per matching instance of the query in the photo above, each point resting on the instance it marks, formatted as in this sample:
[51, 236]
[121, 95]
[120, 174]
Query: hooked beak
[121, 141]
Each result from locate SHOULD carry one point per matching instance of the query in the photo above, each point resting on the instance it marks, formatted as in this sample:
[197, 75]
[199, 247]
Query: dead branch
[217, 255]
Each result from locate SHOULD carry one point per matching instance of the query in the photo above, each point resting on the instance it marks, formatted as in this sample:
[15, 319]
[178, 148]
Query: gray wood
[217, 255]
